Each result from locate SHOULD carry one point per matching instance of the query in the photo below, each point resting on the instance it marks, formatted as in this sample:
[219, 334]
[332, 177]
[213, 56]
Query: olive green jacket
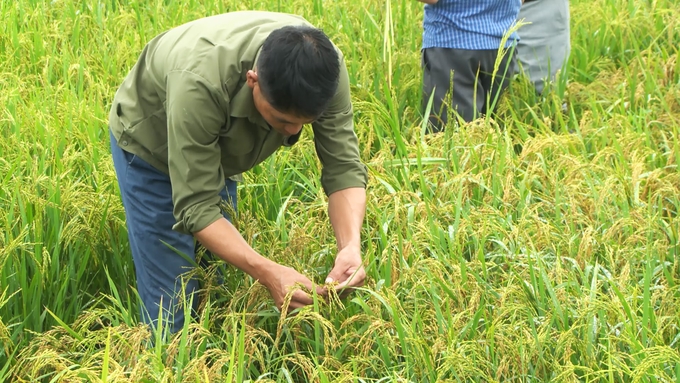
[185, 108]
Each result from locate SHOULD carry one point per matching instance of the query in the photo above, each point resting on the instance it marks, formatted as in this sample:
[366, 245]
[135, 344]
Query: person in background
[544, 44]
[205, 102]
[461, 41]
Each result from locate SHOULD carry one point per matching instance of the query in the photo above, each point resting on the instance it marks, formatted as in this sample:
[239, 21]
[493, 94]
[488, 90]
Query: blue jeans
[147, 198]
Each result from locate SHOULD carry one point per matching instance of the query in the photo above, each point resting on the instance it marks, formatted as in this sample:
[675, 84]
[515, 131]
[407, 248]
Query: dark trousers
[147, 198]
[465, 81]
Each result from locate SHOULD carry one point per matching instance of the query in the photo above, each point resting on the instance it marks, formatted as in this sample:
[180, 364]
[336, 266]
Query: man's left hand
[348, 271]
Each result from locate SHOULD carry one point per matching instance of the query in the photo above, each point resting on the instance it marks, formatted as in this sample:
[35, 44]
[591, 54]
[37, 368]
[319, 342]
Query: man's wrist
[262, 269]
[351, 246]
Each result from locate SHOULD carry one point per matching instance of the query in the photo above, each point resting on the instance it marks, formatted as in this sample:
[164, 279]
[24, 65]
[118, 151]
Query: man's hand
[348, 271]
[346, 210]
[223, 240]
[282, 280]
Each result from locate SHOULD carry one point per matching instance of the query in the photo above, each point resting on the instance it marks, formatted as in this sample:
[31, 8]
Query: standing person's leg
[494, 84]
[544, 44]
[443, 67]
[147, 199]
[436, 80]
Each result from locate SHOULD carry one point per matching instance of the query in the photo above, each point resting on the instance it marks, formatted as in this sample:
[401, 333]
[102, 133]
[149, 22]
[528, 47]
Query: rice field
[538, 246]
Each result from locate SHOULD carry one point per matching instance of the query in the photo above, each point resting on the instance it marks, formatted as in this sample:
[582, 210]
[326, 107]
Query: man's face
[284, 123]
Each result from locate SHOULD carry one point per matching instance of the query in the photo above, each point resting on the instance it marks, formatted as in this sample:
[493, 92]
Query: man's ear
[251, 78]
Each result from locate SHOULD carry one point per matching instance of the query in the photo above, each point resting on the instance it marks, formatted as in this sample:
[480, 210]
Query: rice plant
[537, 246]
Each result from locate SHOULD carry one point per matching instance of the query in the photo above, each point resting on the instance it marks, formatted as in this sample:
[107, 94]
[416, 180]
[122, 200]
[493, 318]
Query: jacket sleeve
[336, 143]
[195, 115]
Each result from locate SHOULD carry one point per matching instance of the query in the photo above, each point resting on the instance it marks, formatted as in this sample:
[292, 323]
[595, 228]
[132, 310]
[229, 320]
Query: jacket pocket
[238, 139]
[151, 133]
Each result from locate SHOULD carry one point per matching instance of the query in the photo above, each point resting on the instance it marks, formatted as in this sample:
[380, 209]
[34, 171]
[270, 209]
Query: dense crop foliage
[539, 246]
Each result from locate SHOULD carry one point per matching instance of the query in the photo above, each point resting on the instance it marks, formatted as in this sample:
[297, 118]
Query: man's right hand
[282, 279]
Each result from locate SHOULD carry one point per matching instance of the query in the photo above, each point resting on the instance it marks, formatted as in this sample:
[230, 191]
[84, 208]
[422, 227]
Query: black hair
[298, 70]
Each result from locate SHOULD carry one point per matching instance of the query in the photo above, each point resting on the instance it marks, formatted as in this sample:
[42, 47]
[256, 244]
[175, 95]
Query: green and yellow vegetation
[541, 246]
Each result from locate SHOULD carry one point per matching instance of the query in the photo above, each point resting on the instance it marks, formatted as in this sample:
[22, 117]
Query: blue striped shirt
[469, 24]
